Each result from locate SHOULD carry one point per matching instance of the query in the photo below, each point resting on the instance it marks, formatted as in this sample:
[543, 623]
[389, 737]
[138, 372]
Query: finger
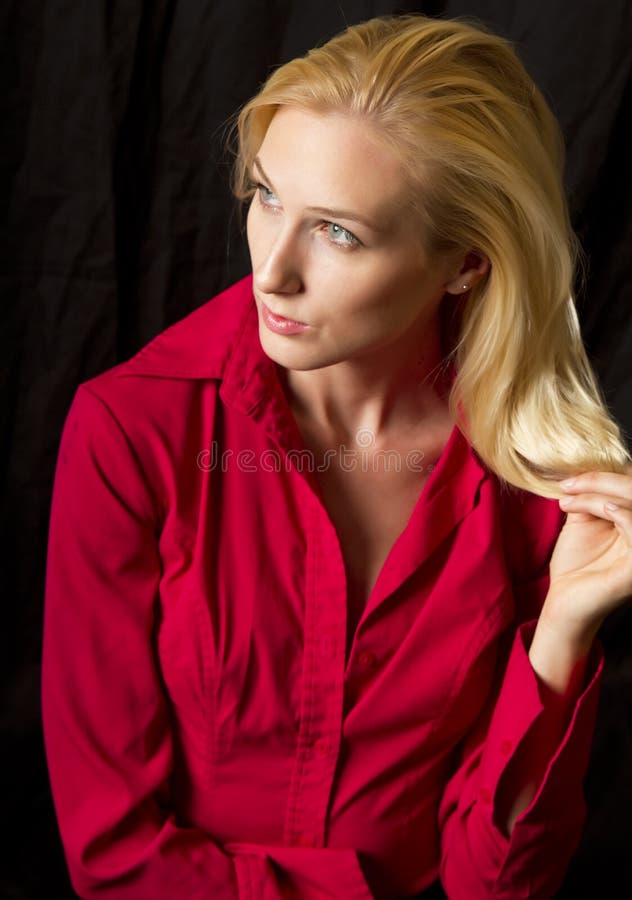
[599, 507]
[593, 504]
[613, 484]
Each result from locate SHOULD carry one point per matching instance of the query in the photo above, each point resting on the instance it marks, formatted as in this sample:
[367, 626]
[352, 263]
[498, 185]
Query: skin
[371, 297]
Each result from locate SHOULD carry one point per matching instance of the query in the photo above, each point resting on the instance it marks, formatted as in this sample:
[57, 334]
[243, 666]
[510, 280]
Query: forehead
[332, 159]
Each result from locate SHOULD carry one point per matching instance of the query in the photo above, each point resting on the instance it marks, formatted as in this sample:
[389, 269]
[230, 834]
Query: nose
[278, 271]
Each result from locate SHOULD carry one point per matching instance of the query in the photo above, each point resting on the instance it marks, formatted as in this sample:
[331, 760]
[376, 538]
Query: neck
[397, 387]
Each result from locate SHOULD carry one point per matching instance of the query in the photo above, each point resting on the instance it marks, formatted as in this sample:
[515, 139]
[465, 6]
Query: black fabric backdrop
[117, 220]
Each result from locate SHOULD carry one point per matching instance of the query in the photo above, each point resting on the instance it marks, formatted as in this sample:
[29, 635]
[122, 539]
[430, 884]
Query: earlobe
[454, 288]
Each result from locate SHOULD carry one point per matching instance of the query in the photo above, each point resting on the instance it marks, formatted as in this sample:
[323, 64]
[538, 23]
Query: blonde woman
[316, 625]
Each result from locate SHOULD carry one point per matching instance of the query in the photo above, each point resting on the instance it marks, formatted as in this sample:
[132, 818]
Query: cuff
[518, 708]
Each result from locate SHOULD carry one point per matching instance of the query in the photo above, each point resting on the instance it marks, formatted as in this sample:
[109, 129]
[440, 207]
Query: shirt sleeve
[106, 721]
[478, 860]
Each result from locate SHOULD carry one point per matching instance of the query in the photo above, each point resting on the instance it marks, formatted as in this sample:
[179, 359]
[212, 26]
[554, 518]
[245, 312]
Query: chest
[369, 493]
[369, 510]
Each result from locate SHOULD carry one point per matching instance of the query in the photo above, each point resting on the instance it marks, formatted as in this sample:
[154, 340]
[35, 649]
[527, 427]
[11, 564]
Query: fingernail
[568, 483]
[611, 506]
[565, 501]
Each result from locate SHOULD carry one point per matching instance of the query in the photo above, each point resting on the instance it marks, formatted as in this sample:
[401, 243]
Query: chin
[294, 354]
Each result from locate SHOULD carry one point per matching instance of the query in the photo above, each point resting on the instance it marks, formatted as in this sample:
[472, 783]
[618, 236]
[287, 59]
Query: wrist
[559, 654]
[560, 619]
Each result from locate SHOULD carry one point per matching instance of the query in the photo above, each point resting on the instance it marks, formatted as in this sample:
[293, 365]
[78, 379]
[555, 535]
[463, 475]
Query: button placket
[322, 689]
[327, 646]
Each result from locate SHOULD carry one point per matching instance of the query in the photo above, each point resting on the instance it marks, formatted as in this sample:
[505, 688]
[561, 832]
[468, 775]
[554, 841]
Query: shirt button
[505, 747]
[485, 795]
[321, 747]
[368, 659]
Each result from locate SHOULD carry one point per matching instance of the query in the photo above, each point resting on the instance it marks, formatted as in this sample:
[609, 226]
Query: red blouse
[207, 734]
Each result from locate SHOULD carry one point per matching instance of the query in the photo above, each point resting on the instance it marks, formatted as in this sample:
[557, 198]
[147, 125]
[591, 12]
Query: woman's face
[334, 245]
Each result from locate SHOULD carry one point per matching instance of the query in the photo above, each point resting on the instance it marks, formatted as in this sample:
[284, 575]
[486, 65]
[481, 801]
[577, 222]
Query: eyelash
[349, 244]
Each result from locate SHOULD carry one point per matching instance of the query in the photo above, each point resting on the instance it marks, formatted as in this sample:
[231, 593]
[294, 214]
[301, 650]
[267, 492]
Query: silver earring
[464, 287]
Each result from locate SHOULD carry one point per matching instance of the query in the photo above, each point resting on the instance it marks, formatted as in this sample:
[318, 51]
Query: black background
[117, 221]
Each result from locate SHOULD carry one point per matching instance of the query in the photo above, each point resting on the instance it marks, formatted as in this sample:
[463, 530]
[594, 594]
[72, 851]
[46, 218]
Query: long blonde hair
[484, 156]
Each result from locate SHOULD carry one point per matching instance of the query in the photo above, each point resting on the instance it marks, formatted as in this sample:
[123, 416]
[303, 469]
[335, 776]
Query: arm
[547, 698]
[591, 575]
[106, 721]
[106, 726]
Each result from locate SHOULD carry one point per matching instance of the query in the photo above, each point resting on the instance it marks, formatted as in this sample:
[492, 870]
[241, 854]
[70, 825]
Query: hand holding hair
[591, 574]
[591, 567]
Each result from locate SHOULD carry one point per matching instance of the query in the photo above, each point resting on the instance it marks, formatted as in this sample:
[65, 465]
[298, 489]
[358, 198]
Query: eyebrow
[325, 210]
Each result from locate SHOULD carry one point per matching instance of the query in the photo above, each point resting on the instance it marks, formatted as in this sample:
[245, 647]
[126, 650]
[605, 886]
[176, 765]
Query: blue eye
[267, 196]
[339, 235]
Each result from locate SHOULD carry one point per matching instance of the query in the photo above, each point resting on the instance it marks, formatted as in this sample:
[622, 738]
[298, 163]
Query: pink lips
[280, 325]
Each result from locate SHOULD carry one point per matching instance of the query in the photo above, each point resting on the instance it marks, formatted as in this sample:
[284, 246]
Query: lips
[281, 325]
[281, 319]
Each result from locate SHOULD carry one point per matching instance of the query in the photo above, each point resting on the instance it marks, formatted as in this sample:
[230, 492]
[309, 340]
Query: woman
[313, 625]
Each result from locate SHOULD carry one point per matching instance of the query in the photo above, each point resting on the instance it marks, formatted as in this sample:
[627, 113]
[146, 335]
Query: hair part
[484, 158]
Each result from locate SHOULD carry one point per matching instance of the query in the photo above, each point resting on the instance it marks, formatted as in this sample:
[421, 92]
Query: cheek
[394, 302]
[384, 293]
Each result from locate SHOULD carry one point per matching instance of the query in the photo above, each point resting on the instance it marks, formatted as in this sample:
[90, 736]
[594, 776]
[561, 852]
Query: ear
[474, 266]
